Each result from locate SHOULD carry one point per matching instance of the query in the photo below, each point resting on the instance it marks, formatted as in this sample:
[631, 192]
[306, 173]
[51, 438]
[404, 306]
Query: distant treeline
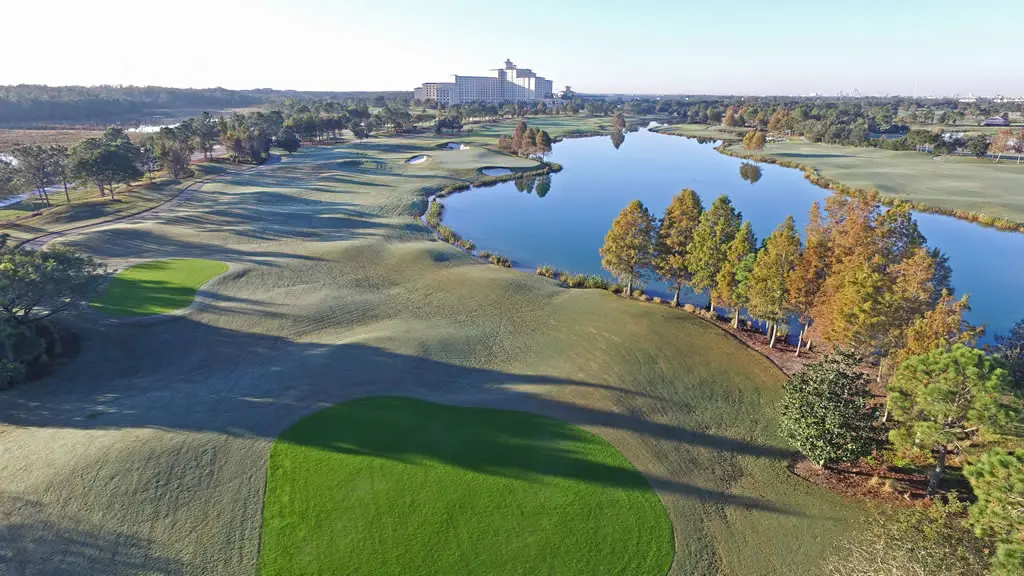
[28, 105]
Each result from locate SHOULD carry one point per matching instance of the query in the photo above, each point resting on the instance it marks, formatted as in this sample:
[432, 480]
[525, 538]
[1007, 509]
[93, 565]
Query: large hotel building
[510, 84]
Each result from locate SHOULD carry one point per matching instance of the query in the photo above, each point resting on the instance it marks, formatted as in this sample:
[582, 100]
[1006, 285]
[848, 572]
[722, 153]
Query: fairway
[396, 486]
[150, 454]
[950, 182]
[157, 287]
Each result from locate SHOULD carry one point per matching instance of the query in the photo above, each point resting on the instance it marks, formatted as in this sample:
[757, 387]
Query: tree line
[526, 141]
[863, 283]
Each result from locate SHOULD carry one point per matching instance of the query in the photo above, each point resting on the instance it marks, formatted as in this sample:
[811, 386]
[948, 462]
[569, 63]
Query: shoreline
[814, 177]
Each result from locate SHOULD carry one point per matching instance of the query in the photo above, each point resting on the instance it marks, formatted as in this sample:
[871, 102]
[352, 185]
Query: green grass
[157, 287]
[952, 182]
[398, 486]
[703, 131]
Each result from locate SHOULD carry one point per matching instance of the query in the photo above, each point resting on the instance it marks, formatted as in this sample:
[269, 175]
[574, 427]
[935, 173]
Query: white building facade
[509, 84]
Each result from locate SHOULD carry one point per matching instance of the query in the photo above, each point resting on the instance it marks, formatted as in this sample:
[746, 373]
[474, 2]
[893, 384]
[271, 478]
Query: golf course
[323, 387]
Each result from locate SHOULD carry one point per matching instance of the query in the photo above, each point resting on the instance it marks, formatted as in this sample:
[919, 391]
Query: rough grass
[157, 287]
[149, 453]
[391, 485]
[703, 131]
[12, 138]
[952, 182]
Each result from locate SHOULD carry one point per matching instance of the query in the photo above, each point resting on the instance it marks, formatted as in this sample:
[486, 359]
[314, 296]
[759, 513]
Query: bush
[638, 294]
[596, 282]
[465, 244]
[825, 411]
[499, 260]
[575, 280]
[546, 271]
[447, 234]
[11, 373]
[434, 214]
[485, 254]
[616, 288]
[689, 308]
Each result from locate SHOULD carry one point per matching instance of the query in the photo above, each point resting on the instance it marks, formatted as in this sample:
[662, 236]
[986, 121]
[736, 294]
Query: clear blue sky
[664, 46]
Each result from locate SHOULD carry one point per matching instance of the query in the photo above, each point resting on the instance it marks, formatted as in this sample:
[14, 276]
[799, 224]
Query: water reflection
[530, 184]
[750, 172]
[618, 138]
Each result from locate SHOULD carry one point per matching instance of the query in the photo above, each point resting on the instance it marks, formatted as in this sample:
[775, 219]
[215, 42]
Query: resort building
[509, 84]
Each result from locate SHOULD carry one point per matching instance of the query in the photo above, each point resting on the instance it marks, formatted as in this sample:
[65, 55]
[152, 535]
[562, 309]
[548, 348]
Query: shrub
[499, 260]
[577, 280]
[596, 282]
[434, 213]
[447, 234]
[657, 300]
[689, 308]
[465, 244]
[546, 271]
[11, 373]
[638, 294]
[615, 288]
[825, 411]
[485, 254]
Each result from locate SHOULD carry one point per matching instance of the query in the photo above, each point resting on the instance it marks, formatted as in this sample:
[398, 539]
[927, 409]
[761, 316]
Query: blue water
[566, 227]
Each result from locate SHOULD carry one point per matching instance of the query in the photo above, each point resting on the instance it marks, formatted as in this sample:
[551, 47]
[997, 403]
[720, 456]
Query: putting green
[157, 287]
[396, 486]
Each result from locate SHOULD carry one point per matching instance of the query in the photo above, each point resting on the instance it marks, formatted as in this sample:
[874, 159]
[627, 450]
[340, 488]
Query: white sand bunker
[456, 146]
[417, 159]
[496, 171]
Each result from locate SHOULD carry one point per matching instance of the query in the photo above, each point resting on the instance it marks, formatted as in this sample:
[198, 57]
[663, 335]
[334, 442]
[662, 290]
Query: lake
[565, 223]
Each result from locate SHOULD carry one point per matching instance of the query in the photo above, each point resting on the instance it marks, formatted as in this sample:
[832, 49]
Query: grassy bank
[972, 189]
[156, 287]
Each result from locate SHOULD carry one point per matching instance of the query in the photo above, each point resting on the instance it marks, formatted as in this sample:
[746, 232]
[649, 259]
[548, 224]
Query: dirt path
[181, 197]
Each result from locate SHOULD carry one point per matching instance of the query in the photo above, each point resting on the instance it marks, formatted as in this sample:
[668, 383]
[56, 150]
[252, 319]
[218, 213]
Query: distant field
[10, 139]
[954, 182]
[703, 131]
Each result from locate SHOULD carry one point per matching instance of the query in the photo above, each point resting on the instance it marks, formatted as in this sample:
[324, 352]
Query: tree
[778, 120]
[628, 249]
[922, 540]
[1001, 143]
[941, 327]
[60, 166]
[148, 162]
[543, 142]
[1010, 349]
[730, 118]
[768, 290]
[977, 145]
[674, 237]
[946, 400]
[997, 479]
[808, 275]
[706, 253]
[754, 140]
[36, 284]
[34, 169]
[518, 136]
[727, 284]
[619, 121]
[288, 140]
[108, 160]
[206, 133]
[825, 411]
[750, 172]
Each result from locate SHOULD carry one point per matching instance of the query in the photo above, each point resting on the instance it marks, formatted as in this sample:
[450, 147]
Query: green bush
[447, 234]
[657, 300]
[11, 373]
[596, 282]
[434, 214]
[638, 294]
[499, 260]
[689, 308]
[616, 288]
[546, 271]
[484, 254]
[465, 244]
[574, 280]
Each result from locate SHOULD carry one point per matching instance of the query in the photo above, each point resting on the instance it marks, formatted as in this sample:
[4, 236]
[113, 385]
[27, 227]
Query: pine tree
[543, 142]
[947, 400]
[727, 283]
[754, 140]
[628, 250]
[706, 254]
[518, 135]
[997, 479]
[768, 291]
[806, 279]
[674, 237]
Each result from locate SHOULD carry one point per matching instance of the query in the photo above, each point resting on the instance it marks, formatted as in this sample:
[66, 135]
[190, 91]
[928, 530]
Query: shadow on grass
[31, 543]
[184, 375]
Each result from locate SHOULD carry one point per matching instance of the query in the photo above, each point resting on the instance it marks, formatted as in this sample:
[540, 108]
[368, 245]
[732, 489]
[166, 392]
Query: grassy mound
[399, 486]
[157, 287]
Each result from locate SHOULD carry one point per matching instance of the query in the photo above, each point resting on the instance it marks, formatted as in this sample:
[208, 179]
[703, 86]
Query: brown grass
[12, 138]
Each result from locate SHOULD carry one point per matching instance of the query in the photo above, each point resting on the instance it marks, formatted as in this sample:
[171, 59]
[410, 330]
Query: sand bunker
[417, 159]
[495, 171]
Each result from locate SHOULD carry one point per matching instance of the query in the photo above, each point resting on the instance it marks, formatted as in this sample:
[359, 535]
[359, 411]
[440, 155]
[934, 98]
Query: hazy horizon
[792, 48]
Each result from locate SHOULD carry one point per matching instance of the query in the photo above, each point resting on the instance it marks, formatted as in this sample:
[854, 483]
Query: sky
[877, 47]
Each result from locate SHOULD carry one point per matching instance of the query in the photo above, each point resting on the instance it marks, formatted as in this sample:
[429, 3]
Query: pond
[562, 220]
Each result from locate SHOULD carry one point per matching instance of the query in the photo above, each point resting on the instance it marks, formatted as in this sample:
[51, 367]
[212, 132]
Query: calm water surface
[564, 224]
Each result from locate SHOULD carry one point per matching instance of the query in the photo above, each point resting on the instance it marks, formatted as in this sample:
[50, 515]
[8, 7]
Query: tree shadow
[31, 543]
[247, 384]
